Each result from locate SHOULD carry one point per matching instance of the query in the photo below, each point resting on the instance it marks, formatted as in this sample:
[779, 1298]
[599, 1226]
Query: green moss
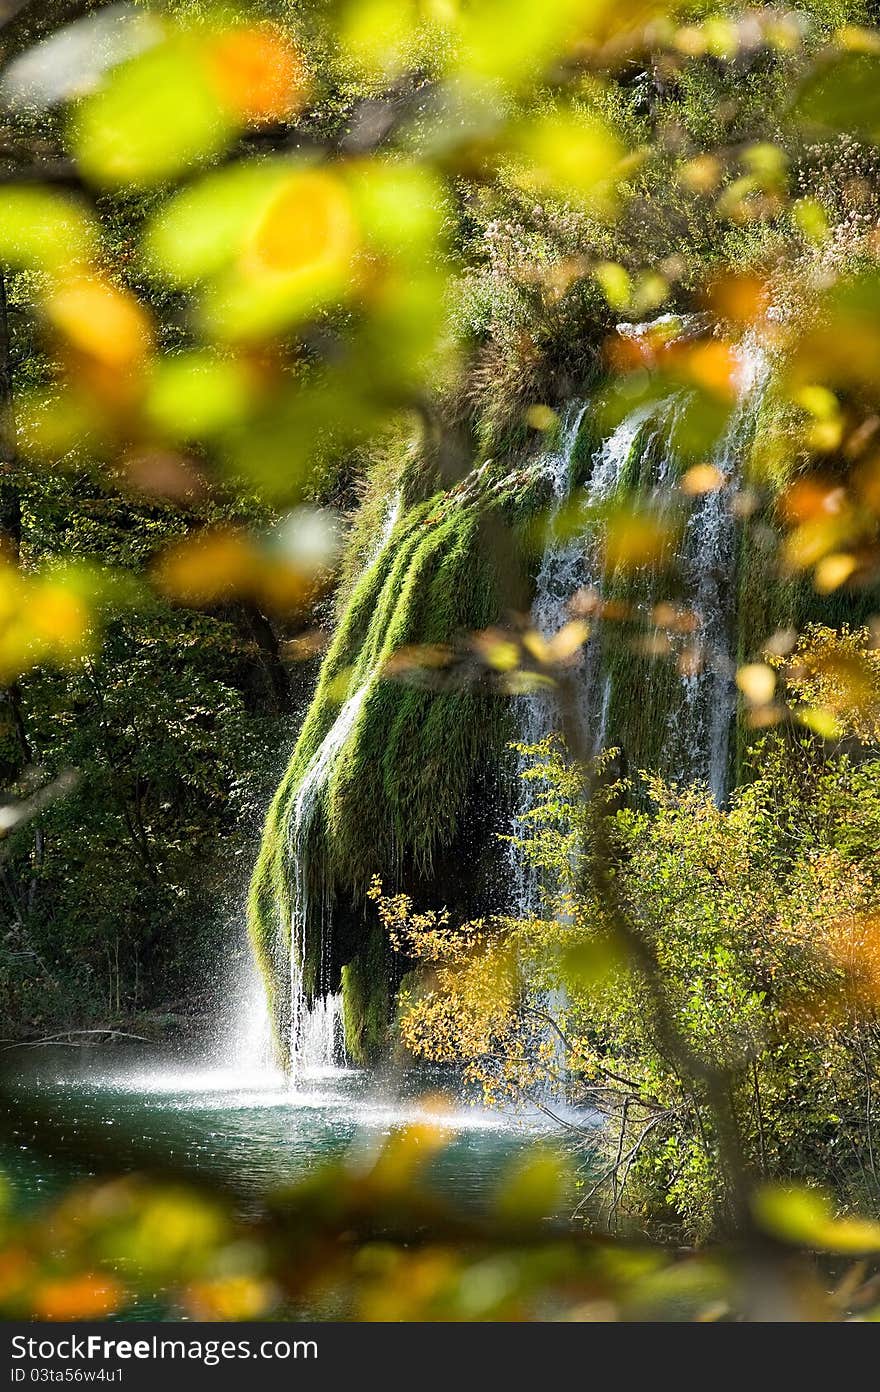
[366, 999]
[396, 793]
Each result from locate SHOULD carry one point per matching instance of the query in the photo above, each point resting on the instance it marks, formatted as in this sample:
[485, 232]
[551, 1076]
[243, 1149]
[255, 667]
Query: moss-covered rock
[406, 777]
[387, 777]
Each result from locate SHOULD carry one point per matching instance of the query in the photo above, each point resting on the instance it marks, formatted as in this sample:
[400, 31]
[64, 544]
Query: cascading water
[708, 562]
[640, 452]
[701, 714]
[700, 719]
[313, 1030]
[566, 569]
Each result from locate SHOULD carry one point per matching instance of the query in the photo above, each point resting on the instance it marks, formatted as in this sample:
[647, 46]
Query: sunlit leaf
[233, 1297]
[212, 566]
[591, 962]
[509, 42]
[700, 479]
[820, 720]
[806, 1216]
[58, 616]
[757, 682]
[810, 216]
[203, 229]
[634, 538]
[43, 230]
[742, 299]
[833, 571]
[410, 1148]
[258, 73]
[193, 395]
[615, 282]
[382, 36]
[401, 206]
[298, 255]
[152, 118]
[102, 321]
[541, 417]
[573, 154]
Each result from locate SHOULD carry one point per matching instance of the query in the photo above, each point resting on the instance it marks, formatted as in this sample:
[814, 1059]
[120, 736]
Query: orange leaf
[86, 1296]
[102, 321]
[259, 75]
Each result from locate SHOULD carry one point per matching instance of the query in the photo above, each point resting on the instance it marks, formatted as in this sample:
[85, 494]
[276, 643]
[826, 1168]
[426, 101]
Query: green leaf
[153, 118]
[806, 1217]
[844, 96]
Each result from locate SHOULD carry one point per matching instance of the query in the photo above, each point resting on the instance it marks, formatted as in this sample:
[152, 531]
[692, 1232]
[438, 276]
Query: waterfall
[389, 522]
[642, 452]
[701, 712]
[308, 1026]
[566, 568]
[321, 1042]
[701, 717]
[709, 565]
[243, 1049]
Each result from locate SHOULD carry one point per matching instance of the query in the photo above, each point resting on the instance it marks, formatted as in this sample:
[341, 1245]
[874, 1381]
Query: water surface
[249, 1129]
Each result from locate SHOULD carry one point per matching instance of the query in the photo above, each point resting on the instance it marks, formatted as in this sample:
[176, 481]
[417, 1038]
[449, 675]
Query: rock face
[392, 775]
[405, 770]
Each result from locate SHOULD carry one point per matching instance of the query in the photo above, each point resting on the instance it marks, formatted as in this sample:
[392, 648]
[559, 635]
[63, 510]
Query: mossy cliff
[389, 776]
[406, 774]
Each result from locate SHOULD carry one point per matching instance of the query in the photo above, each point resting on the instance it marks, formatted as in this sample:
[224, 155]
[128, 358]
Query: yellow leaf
[240, 1297]
[634, 539]
[820, 720]
[818, 400]
[574, 155]
[568, 640]
[152, 118]
[43, 230]
[805, 1216]
[58, 616]
[102, 321]
[306, 231]
[701, 478]
[757, 682]
[833, 571]
[541, 417]
[510, 42]
[210, 566]
[615, 283]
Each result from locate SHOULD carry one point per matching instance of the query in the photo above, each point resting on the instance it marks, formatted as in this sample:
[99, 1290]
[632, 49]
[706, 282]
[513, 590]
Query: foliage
[242, 258]
[760, 921]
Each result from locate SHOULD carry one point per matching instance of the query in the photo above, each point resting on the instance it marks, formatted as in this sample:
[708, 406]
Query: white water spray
[566, 568]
